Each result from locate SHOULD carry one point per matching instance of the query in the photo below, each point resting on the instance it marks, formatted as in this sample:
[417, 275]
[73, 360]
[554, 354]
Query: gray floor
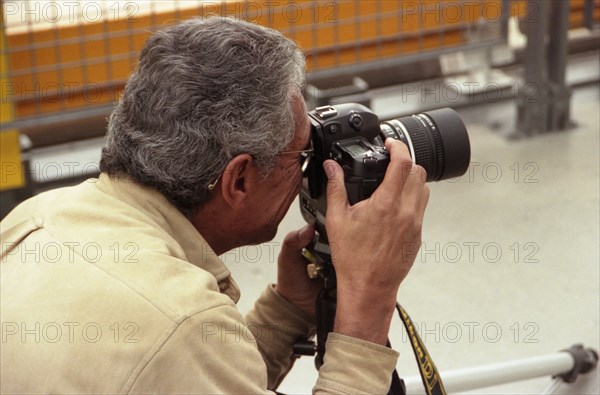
[509, 266]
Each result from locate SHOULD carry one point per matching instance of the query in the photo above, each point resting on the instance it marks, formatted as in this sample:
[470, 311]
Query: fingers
[398, 170]
[414, 188]
[305, 235]
[337, 198]
[300, 238]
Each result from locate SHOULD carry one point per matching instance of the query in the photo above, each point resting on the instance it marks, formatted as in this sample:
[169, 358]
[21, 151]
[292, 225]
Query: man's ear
[237, 180]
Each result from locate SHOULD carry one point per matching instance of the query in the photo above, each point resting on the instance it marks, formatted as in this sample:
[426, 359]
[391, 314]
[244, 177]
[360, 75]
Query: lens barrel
[437, 140]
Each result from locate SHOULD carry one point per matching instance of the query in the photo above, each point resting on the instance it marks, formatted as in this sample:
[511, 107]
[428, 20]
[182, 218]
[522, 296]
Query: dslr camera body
[352, 135]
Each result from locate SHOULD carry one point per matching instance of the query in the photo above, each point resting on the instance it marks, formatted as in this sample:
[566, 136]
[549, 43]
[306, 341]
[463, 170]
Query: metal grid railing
[70, 59]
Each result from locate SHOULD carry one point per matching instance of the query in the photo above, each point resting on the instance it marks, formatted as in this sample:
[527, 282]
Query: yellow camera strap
[429, 373]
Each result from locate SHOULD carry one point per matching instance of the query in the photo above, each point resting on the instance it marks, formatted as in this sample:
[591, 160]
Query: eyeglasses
[305, 156]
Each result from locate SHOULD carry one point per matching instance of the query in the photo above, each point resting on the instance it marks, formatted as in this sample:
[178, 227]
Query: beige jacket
[107, 288]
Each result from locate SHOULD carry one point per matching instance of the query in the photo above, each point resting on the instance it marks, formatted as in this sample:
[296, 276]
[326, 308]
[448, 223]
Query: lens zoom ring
[438, 150]
[420, 142]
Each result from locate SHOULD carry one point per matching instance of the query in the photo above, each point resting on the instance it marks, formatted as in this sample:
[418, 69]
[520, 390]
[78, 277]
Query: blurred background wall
[64, 63]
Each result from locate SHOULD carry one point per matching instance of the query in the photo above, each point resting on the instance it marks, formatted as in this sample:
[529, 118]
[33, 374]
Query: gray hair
[204, 91]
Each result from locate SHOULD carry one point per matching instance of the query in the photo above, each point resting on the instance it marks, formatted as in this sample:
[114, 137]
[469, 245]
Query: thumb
[337, 197]
[305, 235]
[298, 239]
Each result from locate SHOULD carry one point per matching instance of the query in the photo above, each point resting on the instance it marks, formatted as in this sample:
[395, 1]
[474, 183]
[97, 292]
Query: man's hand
[374, 243]
[293, 283]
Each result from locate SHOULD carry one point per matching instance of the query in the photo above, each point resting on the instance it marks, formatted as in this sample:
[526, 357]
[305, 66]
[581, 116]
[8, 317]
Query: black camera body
[352, 135]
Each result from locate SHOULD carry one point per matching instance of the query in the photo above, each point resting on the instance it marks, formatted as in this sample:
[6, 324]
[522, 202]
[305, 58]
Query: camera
[352, 135]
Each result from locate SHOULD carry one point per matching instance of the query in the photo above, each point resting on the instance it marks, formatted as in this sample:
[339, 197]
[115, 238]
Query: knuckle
[421, 173]
[406, 163]
[409, 217]
[385, 201]
[333, 195]
[426, 193]
[412, 223]
[331, 221]
[418, 226]
[332, 187]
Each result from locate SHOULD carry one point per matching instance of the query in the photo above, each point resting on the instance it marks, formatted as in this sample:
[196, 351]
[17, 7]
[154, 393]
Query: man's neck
[217, 226]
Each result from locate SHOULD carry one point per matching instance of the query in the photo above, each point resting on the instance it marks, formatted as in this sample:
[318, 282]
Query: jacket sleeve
[276, 325]
[354, 366]
[215, 352]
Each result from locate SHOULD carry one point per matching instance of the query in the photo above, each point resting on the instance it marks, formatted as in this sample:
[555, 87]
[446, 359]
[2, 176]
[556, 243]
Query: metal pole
[533, 94]
[497, 373]
[588, 14]
[505, 18]
[559, 103]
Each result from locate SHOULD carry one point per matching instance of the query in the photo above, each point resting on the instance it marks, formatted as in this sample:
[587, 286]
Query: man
[114, 285]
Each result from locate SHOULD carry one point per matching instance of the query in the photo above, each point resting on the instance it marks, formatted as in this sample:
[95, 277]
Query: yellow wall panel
[11, 172]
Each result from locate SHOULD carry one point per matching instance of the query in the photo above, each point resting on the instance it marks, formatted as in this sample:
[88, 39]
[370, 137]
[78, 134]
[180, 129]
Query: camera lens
[437, 140]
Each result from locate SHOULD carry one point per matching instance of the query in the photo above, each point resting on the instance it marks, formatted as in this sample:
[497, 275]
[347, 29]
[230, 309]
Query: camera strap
[429, 374]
